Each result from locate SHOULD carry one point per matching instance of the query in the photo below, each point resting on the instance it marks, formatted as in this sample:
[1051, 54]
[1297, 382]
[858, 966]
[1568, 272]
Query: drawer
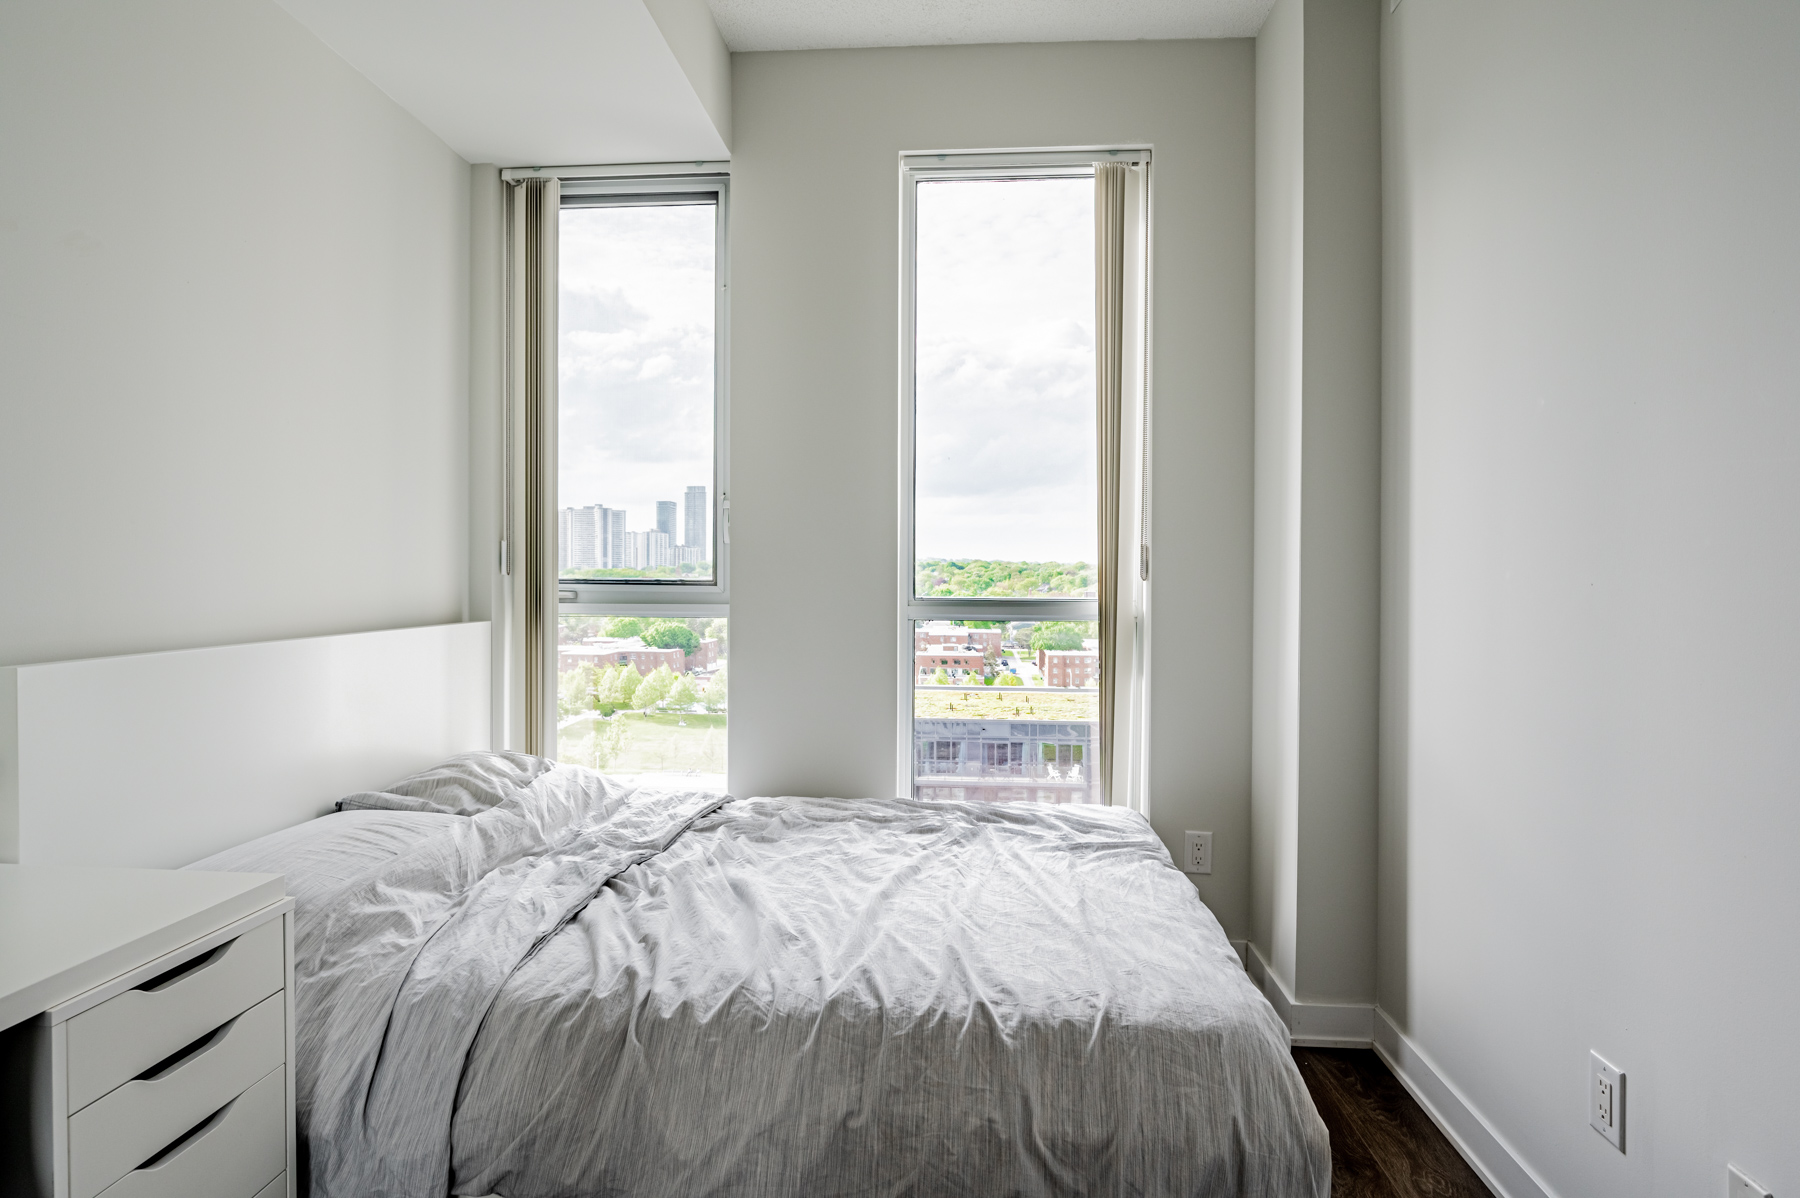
[275, 1189]
[117, 1133]
[235, 1153]
[125, 1035]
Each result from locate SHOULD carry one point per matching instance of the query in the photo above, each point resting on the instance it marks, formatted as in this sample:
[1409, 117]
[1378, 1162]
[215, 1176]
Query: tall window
[1000, 610]
[641, 631]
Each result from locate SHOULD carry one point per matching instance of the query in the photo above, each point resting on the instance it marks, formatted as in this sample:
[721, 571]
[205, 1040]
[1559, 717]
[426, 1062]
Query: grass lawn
[1003, 703]
[657, 743]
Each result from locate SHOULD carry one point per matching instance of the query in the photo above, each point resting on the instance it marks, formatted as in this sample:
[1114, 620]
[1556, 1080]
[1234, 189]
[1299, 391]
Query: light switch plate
[1741, 1186]
[1606, 1100]
[1197, 855]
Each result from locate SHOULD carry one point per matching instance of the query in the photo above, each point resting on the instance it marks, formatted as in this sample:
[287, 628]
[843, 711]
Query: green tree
[1011, 680]
[619, 688]
[576, 690]
[624, 626]
[602, 744]
[654, 688]
[1060, 634]
[715, 631]
[684, 694]
[670, 634]
[715, 691]
[942, 677]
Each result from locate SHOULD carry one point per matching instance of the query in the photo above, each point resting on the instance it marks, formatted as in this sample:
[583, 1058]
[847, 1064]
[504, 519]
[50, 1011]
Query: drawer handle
[169, 977]
[193, 1136]
[186, 1054]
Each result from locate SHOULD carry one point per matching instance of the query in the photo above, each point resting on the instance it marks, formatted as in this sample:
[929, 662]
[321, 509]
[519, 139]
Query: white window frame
[917, 167]
[663, 596]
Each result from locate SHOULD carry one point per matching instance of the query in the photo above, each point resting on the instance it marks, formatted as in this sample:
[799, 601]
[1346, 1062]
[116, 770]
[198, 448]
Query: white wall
[233, 316]
[814, 283]
[1318, 469]
[1591, 783]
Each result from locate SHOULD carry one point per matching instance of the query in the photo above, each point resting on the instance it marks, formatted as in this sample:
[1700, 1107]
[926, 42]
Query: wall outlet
[1739, 1186]
[1197, 859]
[1606, 1100]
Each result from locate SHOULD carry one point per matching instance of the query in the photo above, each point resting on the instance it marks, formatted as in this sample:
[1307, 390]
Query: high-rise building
[578, 537]
[665, 518]
[659, 549]
[612, 550]
[693, 518]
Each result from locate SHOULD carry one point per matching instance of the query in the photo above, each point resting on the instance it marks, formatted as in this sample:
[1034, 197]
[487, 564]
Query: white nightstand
[146, 1034]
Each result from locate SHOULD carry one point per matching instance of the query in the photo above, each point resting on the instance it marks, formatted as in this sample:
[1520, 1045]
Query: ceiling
[837, 24]
[556, 82]
[527, 82]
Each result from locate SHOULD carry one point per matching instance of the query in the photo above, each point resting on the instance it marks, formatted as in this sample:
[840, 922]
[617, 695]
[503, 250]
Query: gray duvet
[592, 989]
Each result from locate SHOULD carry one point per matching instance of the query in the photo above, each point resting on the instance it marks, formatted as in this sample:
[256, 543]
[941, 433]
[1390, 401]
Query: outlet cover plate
[1741, 1186]
[1606, 1100]
[1196, 857]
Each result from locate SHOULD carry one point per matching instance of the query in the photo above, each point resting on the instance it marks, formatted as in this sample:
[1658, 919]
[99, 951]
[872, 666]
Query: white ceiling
[527, 82]
[837, 24]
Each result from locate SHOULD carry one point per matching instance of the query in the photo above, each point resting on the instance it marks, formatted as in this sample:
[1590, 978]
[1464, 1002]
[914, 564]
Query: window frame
[673, 597]
[915, 168]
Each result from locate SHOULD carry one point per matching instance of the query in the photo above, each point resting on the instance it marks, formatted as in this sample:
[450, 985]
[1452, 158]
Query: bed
[530, 980]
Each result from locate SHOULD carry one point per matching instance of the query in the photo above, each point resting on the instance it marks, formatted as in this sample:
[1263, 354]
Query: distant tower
[693, 531]
[665, 518]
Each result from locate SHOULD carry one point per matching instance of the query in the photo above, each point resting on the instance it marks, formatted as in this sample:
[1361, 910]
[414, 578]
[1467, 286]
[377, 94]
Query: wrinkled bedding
[593, 989]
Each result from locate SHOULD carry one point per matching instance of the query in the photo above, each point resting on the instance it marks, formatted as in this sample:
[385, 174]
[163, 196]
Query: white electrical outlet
[1741, 1186]
[1198, 857]
[1606, 1100]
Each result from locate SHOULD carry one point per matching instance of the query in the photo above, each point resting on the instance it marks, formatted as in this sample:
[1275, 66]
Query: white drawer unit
[171, 1077]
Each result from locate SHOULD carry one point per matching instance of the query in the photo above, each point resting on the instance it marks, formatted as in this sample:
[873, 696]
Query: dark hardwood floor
[1382, 1144]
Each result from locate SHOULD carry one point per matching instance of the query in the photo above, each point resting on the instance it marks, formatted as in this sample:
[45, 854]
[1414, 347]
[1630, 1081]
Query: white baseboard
[1309, 1024]
[1487, 1153]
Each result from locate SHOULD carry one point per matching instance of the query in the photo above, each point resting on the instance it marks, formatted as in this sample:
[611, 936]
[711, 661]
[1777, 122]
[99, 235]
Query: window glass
[1005, 711]
[1004, 429]
[643, 697]
[637, 379]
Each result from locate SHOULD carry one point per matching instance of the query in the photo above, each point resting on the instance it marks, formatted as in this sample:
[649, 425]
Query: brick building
[961, 658]
[603, 653]
[1069, 667]
[934, 634]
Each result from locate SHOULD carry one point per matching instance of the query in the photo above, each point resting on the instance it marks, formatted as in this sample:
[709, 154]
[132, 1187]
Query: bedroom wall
[233, 317]
[814, 261]
[1592, 662]
[1318, 471]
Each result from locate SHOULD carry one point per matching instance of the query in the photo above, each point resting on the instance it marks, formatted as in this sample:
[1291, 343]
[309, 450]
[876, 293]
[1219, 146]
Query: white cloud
[1005, 370]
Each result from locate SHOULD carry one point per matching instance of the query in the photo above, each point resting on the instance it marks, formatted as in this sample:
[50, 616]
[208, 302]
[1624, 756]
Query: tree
[715, 631]
[684, 694]
[654, 688]
[624, 626]
[715, 691]
[575, 691]
[619, 688]
[602, 743]
[1060, 634]
[670, 634]
[1011, 680]
[942, 677]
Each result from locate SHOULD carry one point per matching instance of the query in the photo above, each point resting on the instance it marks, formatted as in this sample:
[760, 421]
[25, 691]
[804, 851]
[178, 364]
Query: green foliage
[715, 690]
[654, 688]
[1061, 634]
[683, 694]
[1011, 680]
[942, 677]
[601, 745]
[986, 681]
[624, 626]
[715, 631]
[1022, 580]
[619, 687]
[575, 691]
[670, 634]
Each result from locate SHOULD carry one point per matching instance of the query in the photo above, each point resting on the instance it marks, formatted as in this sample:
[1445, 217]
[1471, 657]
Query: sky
[1005, 433]
[635, 371]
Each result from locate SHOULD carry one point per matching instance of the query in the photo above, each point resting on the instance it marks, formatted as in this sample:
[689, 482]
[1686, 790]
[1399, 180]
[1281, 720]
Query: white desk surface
[65, 929]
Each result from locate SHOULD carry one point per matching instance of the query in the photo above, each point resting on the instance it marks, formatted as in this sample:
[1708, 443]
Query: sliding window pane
[1004, 427]
[636, 432]
[643, 698]
[1006, 712]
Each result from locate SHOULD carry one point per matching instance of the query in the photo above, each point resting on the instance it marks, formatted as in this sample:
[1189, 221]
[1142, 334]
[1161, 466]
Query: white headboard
[159, 759]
